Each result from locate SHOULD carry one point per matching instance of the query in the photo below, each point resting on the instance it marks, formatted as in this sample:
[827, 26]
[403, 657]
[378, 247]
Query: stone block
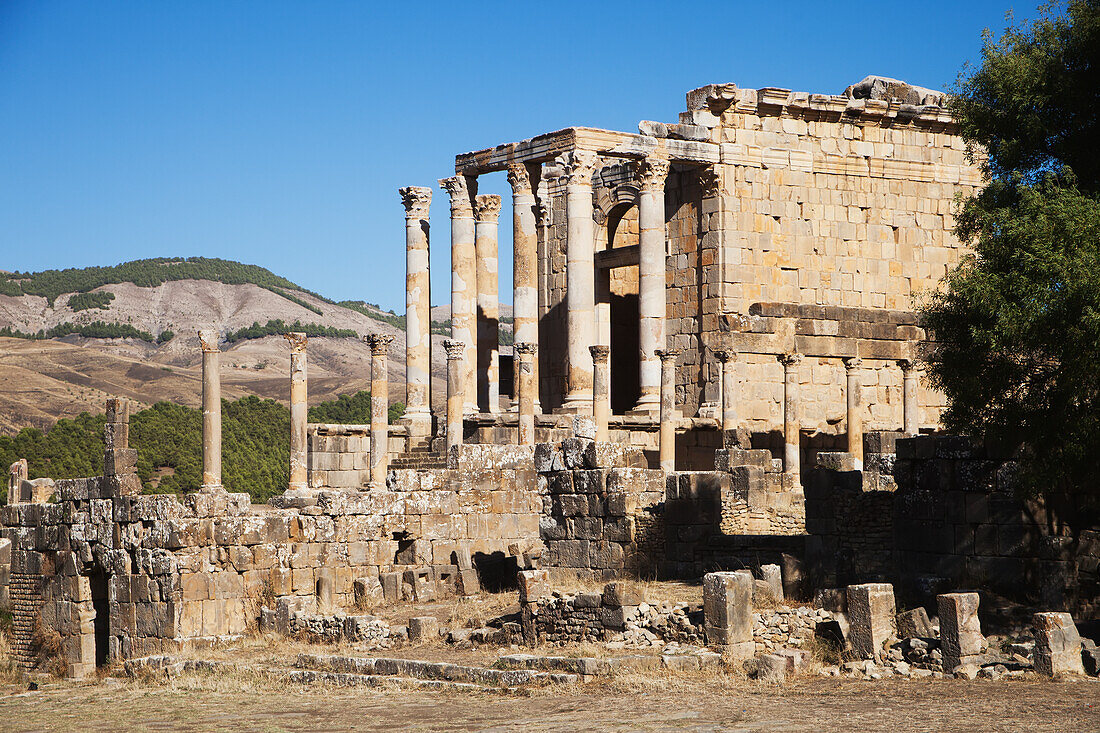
[727, 607]
[533, 584]
[914, 624]
[1057, 644]
[424, 628]
[871, 617]
[616, 595]
[771, 668]
[573, 450]
[772, 576]
[960, 631]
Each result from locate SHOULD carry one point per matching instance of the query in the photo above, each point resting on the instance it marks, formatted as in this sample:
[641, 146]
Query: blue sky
[277, 133]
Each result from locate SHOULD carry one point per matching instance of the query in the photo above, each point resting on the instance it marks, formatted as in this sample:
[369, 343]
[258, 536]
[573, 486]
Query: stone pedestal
[727, 612]
[299, 413]
[525, 263]
[871, 618]
[211, 411]
[667, 446]
[525, 353]
[960, 631]
[418, 314]
[651, 174]
[463, 281]
[456, 381]
[379, 409]
[601, 390]
[791, 426]
[487, 214]
[1057, 645]
[580, 288]
[854, 394]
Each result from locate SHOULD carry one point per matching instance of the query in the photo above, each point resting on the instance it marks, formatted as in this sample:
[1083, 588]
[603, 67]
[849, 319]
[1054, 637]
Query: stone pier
[463, 280]
[526, 391]
[727, 612]
[418, 314]
[960, 630]
[910, 407]
[299, 412]
[525, 263]
[211, 411]
[667, 445]
[456, 382]
[379, 408]
[791, 426]
[487, 214]
[601, 389]
[727, 402]
[580, 283]
[651, 174]
[854, 394]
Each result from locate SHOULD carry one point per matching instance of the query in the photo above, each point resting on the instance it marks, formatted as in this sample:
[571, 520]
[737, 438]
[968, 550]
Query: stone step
[347, 679]
[422, 670]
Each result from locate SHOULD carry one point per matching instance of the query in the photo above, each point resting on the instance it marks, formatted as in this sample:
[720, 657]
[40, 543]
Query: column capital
[725, 355]
[416, 199]
[525, 347]
[519, 178]
[667, 355]
[600, 353]
[297, 341]
[909, 366]
[208, 340]
[487, 207]
[459, 191]
[651, 172]
[579, 166]
[790, 359]
[455, 348]
[711, 180]
[379, 343]
[852, 362]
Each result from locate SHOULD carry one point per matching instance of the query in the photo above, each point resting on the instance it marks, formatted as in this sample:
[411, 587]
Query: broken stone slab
[871, 617]
[770, 668]
[914, 624]
[960, 630]
[1057, 644]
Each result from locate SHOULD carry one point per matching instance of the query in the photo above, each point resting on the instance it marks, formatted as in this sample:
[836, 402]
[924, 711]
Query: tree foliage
[85, 301]
[277, 327]
[1017, 323]
[93, 330]
[351, 410]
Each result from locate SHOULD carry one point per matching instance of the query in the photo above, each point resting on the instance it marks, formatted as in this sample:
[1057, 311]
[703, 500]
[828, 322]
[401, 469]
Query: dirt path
[208, 703]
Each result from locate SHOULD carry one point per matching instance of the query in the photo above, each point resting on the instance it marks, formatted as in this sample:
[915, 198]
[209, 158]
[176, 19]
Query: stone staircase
[419, 458]
[385, 672]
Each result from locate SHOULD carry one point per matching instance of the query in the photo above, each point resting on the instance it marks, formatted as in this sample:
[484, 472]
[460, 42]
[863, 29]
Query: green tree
[1017, 323]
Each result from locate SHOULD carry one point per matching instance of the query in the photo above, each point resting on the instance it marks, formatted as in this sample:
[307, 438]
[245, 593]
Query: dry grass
[10, 674]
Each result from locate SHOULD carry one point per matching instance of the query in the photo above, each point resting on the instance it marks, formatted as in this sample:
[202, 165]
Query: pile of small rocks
[660, 623]
[786, 626]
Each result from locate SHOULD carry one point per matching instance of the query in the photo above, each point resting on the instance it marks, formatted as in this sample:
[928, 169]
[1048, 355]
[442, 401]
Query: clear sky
[278, 133]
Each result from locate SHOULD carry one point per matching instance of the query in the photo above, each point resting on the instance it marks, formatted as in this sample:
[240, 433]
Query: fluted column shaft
[487, 214]
[580, 280]
[211, 410]
[525, 391]
[299, 411]
[727, 398]
[601, 389]
[379, 408]
[910, 405]
[854, 395]
[791, 426]
[667, 445]
[418, 312]
[463, 280]
[456, 383]
[651, 175]
[525, 266]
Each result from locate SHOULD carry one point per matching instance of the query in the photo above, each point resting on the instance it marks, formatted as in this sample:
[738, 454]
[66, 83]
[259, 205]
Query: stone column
[854, 394]
[727, 399]
[487, 213]
[525, 265]
[299, 409]
[379, 408]
[601, 389]
[526, 390]
[667, 451]
[910, 407]
[211, 411]
[651, 174]
[418, 313]
[791, 465]
[463, 280]
[580, 276]
[456, 382]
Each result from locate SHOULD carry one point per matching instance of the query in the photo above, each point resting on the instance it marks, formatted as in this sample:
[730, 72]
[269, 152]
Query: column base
[647, 404]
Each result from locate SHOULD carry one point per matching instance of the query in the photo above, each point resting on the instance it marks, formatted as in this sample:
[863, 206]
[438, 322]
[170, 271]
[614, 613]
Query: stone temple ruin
[715, 368]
